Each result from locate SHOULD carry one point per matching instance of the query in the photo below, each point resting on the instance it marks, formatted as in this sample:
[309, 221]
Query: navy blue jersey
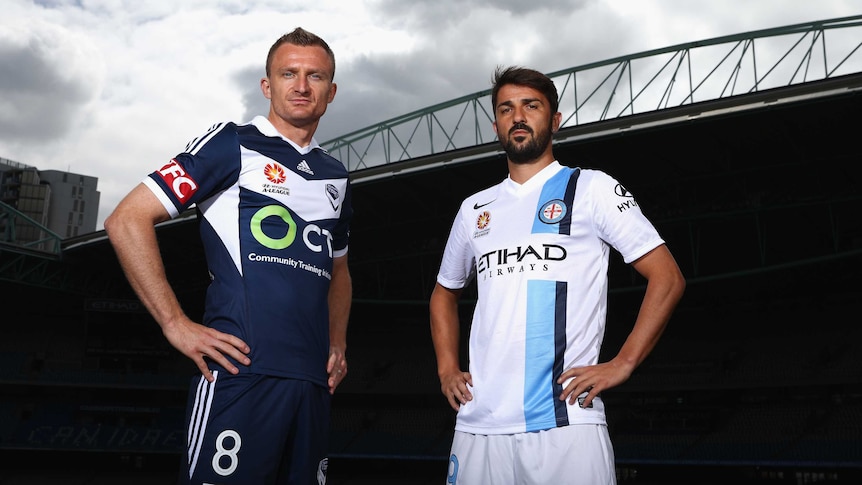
[273, 216]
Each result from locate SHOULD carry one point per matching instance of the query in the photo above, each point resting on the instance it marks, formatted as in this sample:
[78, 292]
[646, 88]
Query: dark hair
[530, 78]
[303, 38]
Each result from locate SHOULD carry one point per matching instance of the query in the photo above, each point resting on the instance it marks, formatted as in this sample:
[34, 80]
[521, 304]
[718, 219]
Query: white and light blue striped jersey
[272, 217]
[539, 252]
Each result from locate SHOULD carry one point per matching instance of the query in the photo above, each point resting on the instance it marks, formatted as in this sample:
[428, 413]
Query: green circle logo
[277, 211]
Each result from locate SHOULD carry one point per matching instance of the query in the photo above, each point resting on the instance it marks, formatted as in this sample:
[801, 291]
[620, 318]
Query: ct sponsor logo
[181, 184]
[314, 236]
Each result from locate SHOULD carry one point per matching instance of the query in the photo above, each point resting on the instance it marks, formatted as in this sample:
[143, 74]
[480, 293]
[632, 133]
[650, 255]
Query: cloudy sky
[115, 88]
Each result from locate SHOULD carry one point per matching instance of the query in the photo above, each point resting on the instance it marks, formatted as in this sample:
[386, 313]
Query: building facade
[65, 203]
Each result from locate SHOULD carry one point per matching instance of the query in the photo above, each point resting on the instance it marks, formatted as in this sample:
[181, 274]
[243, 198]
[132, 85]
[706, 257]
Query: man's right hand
[454, 386]
[196, 341]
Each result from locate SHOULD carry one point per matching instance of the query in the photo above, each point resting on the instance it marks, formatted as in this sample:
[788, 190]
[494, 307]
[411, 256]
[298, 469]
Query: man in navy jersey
[274, 211]
[529, 408]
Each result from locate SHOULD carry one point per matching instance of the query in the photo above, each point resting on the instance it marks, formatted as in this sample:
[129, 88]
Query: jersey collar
[536, 180]
[265, 127]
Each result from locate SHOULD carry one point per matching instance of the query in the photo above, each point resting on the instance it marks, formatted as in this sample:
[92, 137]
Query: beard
[526, 152]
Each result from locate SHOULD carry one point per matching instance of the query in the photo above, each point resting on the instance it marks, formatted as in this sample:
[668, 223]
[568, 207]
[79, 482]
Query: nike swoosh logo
[479, 206]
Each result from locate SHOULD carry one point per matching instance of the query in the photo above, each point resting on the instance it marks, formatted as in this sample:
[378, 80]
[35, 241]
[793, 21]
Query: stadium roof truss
[653, 80]
[29, 252]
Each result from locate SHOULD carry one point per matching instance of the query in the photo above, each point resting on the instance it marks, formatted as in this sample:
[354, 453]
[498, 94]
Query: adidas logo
[303, 167]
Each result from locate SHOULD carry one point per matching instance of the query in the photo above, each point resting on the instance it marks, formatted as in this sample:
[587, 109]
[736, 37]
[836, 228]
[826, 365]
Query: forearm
[455, 384]
[132, 234]
[142, 264]
[445, 329]
[665, 286]
[650, 324]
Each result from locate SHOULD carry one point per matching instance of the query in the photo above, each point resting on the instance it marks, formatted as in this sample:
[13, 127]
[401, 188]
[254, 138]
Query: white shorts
[575, 454]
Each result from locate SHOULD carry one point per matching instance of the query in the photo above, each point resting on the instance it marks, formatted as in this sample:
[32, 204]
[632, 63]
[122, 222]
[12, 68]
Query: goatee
[521, 154]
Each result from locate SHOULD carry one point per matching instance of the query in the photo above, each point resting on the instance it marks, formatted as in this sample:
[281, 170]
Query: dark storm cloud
[39, 100]
[454, 55]
[456, 45]
[476, 34]
[248, 82]
[377, 88]
[374, 88]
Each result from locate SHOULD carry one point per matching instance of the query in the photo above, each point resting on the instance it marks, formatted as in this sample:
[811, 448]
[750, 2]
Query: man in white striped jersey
[529, 408]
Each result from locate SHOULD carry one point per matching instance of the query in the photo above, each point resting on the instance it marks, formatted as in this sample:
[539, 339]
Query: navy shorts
[256, 429]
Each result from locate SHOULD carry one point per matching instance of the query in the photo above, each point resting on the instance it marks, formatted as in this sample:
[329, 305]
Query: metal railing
[649, 81]
[20, 233]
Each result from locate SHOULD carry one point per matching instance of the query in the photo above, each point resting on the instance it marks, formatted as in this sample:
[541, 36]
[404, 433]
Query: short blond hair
[300, 37]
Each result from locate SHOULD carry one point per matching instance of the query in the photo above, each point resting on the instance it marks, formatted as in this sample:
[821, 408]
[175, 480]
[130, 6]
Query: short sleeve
[210, 164]
[619, 219]
[458, 264]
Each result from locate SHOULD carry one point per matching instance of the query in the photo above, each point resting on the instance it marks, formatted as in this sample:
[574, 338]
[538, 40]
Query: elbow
[117, 225]
[111, 224]
[669, 285]
[678, 285]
